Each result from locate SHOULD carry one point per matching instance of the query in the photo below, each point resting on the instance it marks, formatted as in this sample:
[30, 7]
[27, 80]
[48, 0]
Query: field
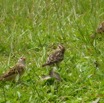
[33, 28]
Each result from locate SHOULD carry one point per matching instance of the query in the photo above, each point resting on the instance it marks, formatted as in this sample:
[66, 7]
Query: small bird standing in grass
[15, 71]
[56, 57]
[99, 30]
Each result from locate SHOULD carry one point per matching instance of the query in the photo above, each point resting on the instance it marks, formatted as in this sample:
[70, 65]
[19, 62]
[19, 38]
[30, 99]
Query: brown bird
[56, 57]
[100, 28]
[18, 69]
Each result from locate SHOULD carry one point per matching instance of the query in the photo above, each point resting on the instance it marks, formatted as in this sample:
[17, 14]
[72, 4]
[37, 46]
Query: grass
[31, 29]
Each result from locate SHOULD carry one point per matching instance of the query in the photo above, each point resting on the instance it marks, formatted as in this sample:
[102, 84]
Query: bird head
[61, 47]
[22, 60]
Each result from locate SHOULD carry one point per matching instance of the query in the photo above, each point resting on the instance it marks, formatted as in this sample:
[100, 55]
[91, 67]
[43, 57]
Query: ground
[33, 28]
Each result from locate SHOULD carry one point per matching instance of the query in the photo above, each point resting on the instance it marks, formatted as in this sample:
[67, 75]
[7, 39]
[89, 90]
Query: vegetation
[32, 28]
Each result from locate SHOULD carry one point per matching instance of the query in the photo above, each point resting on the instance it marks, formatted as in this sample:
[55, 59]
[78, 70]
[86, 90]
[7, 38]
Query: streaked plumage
[55, 57]
[18, 69]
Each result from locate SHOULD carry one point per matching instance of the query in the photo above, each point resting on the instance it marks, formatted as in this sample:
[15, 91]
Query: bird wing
[55, 57]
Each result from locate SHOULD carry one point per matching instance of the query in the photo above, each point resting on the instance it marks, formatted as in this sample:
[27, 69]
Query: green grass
[31, 28]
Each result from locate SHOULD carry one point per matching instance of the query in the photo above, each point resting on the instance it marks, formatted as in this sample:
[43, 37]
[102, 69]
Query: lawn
[33, 28]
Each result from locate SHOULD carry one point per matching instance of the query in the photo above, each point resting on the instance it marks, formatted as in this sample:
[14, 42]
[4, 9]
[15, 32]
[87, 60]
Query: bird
[56, 57]
[18, 69]
[55, 75]
[100, 28]
[52, 74]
